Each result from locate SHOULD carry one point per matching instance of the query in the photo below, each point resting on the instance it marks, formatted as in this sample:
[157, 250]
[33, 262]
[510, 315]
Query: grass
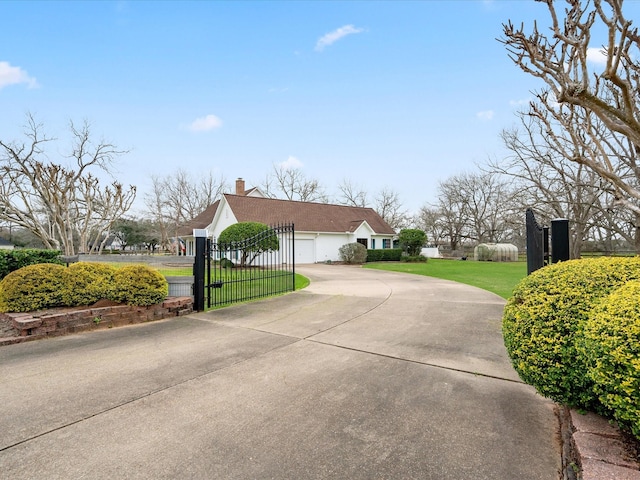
[497, 277]
[250, 291]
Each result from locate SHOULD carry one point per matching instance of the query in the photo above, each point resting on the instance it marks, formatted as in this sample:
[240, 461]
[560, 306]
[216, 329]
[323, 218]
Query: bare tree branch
[59, 205]
[352, 195]
[292, 183]
[609, 96]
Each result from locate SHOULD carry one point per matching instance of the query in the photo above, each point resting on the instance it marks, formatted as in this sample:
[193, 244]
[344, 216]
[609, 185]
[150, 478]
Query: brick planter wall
[21, 327]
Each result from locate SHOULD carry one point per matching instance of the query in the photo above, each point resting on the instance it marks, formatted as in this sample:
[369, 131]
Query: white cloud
[597, 56]
[489, 4]
[332, 37]
[13, 75]
[290, 163]
[205, 124]
[519, 103]
[278, 90]
[485, 115]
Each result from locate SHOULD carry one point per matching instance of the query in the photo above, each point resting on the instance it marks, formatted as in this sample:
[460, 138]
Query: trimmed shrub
[34, 287]
[87, 282]
[139, 285]
[414, 259]
[226, 263]
[12, 260]
[545, 317]
[611, 349]
[384, 255]
[353, 253]
[412, 240]
[251, 238]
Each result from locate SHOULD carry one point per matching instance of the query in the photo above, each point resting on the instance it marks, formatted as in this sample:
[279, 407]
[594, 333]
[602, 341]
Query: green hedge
[610, 348]
[12, 260]
[48, 285]
[139, 285]
[34, 287]
[544, 320]
[414, 259]
[88, 282]
[384, 255]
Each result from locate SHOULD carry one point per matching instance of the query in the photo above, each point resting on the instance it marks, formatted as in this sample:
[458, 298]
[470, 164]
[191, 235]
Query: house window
[373, 243]
[363, 241]
[386, 243]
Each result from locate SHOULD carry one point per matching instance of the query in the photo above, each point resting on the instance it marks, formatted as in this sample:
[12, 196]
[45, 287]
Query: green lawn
[496, 277]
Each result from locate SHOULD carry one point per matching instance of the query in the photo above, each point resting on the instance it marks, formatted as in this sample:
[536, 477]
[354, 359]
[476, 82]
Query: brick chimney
[240, 186]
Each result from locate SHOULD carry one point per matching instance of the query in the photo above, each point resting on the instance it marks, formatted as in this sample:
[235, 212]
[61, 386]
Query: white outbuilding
[496, 252]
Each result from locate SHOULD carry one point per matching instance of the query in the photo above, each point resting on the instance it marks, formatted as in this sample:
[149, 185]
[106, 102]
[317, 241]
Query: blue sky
[386, 94]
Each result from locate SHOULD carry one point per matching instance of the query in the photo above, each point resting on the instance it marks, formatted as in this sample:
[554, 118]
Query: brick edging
[22, 327]
[599, 448]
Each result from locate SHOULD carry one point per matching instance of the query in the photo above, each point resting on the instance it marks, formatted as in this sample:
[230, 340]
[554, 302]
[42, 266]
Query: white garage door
[305, 251]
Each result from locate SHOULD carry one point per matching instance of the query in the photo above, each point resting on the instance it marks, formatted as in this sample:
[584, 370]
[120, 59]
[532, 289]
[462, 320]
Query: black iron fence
[258, 267]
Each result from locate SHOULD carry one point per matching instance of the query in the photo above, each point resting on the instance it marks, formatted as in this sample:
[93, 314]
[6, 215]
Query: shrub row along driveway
[363, 375]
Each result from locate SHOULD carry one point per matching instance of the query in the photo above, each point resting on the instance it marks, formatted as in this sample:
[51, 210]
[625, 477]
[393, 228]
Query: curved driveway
[363, 375]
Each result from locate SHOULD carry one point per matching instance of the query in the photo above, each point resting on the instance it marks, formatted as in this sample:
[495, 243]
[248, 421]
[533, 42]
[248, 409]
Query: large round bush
[353, 253]
[34, 287]
[546, 315]
[611, 350]
[88, 282]
[139, 285]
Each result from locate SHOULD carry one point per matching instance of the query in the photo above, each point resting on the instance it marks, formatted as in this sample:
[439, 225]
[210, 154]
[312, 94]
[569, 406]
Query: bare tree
[65, 207]
[352, 195]
[430, 221]
[177, 198]
[451, 216]
[484, 199]
[561, 60]
[549, 181]
[471, 206]
[294, 185]
[388, 205]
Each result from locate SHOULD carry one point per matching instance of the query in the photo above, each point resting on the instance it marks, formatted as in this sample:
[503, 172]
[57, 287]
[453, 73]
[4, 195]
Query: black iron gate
[538, 242]
[258, 267]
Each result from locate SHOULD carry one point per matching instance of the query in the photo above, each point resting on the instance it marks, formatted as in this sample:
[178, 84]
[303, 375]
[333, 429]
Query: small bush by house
[412, 240]
[545, 318]
[34, 287]
[353, 253]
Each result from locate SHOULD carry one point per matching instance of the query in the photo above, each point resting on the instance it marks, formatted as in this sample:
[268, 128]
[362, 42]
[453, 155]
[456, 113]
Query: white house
[320, 228]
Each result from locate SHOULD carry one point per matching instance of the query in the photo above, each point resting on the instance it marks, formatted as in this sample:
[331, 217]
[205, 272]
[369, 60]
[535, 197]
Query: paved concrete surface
[363, 375]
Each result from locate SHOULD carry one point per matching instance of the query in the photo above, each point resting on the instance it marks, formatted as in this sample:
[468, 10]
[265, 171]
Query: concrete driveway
[363, 375]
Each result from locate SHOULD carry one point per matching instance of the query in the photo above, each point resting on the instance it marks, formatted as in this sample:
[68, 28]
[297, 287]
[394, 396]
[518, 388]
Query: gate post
[559, 240]
[198, 269]
[535, 243]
